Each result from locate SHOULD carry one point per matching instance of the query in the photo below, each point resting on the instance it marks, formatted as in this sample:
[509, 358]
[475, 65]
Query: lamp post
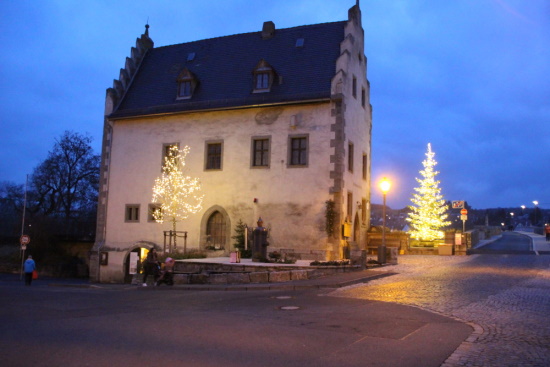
[536, 203]
[385, 185]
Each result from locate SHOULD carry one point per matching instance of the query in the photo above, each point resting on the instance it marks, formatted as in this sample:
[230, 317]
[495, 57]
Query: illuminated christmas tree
[429, 212]
[176, 194]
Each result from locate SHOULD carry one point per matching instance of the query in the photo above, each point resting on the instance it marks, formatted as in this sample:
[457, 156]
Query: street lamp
[385, 185]
[536, 203]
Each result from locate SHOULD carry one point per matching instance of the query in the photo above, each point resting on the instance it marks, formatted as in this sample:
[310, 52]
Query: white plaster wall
[290, 200]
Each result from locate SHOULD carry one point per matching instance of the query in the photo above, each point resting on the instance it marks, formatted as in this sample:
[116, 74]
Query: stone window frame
[150, 209]
[208, 157]
[131, 213]
[266, 153]
[165, 148]
[291, 150]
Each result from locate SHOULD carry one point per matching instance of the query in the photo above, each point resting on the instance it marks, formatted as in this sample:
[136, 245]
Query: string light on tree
[176, 194]
[429, 212]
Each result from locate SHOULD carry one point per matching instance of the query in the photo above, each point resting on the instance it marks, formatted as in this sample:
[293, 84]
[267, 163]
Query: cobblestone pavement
[506, 298]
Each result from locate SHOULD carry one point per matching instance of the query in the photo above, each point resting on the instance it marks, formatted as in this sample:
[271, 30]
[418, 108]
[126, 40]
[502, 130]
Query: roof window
[187, 83]
[300, 42]
[263, 77]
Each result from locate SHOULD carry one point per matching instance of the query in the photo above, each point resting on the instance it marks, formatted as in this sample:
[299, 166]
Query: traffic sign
[25, 240]
[463, 217]
[463, 212]
[458, 204]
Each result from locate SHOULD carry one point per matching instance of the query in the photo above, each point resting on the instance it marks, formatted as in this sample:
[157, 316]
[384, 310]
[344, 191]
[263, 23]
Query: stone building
[278, 122]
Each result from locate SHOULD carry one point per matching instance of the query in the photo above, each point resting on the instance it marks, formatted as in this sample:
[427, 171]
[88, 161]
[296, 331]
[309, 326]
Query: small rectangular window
[262, 81]
[132, 213]
[354, 87]
[364, 210]
[350, 206]
[213, 156]
[185, 89]
[365, 166]
[166, 151]
[154, 210]
[260, 152]
[363, 97]
[350, 157]
[298, 151]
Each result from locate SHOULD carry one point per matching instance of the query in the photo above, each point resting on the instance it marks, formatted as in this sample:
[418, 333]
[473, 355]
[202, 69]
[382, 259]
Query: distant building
[278, 122]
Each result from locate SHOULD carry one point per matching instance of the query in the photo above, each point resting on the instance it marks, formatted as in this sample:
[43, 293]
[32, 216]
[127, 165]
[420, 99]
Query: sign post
[464, 217]
[24, 240]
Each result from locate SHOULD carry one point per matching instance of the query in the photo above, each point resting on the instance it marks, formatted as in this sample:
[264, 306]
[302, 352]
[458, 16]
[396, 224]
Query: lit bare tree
[176, 194]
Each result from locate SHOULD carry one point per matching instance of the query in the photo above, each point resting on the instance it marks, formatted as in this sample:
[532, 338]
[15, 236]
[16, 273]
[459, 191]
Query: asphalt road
[130, 326]
[510, 243]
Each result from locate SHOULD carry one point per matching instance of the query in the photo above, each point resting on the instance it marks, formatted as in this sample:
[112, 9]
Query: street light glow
[385, 185]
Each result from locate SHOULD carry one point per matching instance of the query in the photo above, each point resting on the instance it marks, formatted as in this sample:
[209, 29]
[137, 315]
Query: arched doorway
[216, 231]
[133, 260]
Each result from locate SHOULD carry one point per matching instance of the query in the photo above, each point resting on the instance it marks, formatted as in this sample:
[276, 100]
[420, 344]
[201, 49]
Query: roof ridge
[248, 33]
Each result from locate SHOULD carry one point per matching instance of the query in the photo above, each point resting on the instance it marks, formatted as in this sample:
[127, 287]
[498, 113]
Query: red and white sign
[463, 212]
[24, 240]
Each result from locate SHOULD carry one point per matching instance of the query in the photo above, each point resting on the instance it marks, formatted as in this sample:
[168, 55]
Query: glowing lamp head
[385, 185]
[536, 202]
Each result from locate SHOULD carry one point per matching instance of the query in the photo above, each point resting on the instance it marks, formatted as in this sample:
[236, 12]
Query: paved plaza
[505, 298]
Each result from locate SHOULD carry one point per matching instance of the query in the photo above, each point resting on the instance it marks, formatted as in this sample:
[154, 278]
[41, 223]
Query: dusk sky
[471, 77]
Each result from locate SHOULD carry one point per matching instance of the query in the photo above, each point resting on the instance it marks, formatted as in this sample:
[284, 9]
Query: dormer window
[187, 83]
[263, 77]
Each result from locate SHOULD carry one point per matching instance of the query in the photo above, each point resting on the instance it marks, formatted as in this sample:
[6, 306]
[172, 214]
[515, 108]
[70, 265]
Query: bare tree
[65, 184]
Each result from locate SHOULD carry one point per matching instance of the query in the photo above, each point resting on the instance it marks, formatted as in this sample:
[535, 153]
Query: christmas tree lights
[429, 212]
[177, 194]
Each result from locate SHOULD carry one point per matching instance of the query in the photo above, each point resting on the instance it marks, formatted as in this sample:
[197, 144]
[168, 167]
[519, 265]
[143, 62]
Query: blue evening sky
[471, 77]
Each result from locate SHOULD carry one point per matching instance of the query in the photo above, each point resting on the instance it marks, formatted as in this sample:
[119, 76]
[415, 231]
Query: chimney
[268, 30]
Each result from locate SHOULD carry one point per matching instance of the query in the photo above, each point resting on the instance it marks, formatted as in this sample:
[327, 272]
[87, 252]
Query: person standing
[151, 266]
[29, 268]
[547, 231]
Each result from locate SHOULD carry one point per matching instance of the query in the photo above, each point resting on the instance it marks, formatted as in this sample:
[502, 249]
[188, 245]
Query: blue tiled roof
[224, 68]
